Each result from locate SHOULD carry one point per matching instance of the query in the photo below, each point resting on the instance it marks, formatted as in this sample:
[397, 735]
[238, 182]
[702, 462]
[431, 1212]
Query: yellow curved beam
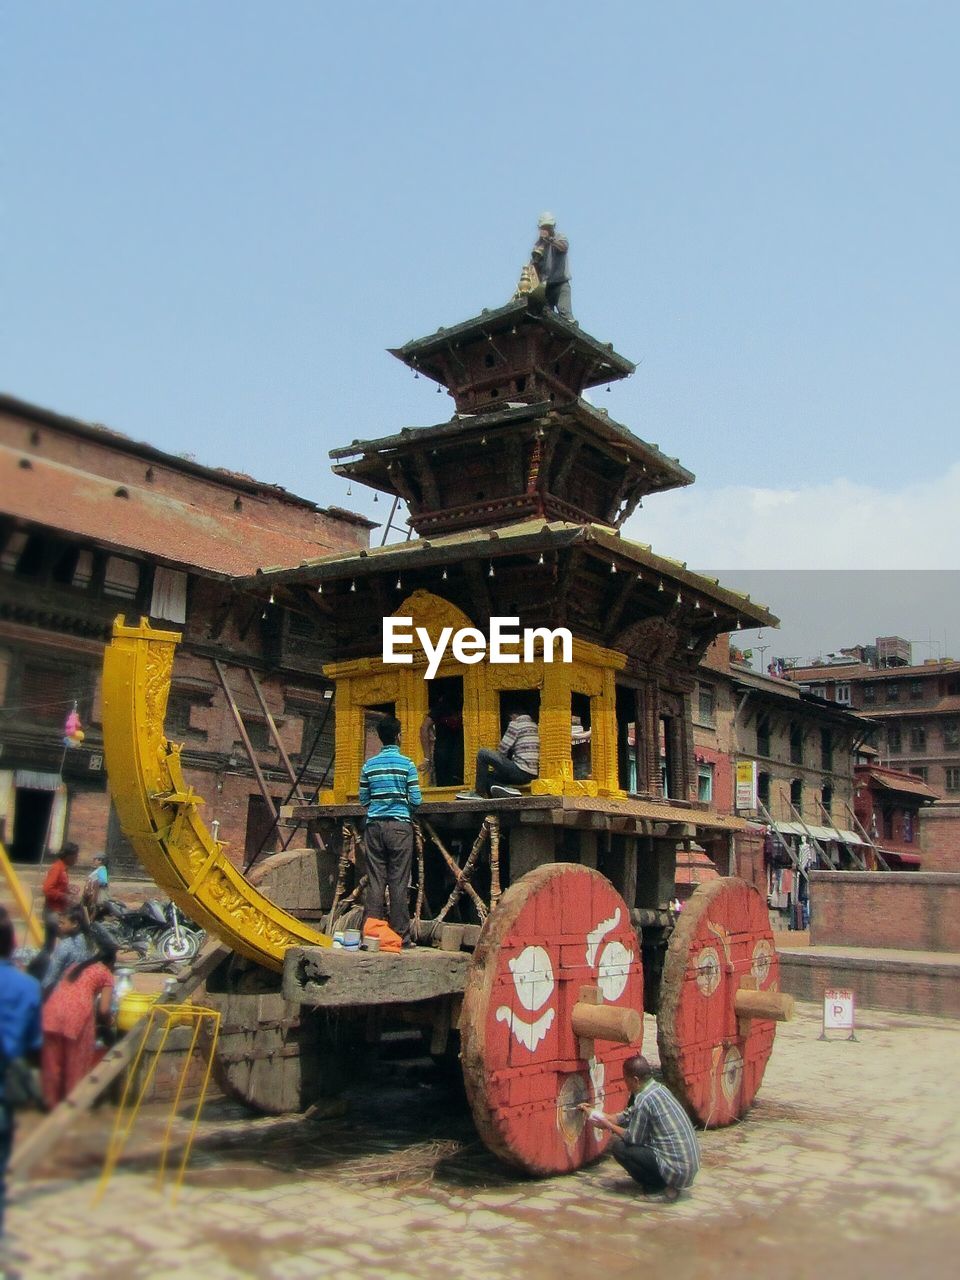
[158, 812]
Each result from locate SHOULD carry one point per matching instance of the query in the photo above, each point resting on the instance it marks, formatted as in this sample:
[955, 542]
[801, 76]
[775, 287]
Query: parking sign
[838, 1012]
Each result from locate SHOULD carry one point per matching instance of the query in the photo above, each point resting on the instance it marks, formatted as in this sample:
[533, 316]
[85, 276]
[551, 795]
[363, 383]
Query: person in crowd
[549, 258]
[20, 1037]
[655, 1141]
[97, 886]
[515, 763]
[75, 943]
[441, 737]
[57, 893]
[390, 792]
[70, 1016]
[39, 964]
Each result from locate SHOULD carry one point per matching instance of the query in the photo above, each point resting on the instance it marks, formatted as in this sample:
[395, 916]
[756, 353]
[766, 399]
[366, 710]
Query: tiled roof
[694, 867]
[894, 780]
[164, 528]
[519, 538]
[118, 441]
[609, 364]
[816, 675]
[862, 672]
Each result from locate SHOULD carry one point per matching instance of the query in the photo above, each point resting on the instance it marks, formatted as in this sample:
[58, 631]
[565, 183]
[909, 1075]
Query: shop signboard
[746, 795]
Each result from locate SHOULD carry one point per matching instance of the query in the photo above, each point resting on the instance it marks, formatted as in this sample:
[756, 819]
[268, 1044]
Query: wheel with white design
[558, 950]
[712, 1049]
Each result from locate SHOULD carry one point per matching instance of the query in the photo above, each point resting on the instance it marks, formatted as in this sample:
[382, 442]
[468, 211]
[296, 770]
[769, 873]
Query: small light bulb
[399, 584]
[679, 598]
[540, 561]
[271, 597]
[319, 588]
[444, 575]
[353, 586]
[738, 624]
[639, 576]
[613, 567]
[660, 587]
[491, 573]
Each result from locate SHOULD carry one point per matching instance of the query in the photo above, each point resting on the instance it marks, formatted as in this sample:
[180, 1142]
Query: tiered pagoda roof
[523, 442]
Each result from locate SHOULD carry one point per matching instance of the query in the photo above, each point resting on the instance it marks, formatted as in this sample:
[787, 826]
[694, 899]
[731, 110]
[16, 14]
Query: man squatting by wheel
[655, 1141]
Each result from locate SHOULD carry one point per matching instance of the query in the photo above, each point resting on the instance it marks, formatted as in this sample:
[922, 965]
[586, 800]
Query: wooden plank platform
[596, 812]
[332, 979]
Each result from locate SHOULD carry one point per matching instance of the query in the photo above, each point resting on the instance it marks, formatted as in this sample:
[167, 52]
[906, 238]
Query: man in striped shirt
[389, 791]
[655, 1141]
[515, 762]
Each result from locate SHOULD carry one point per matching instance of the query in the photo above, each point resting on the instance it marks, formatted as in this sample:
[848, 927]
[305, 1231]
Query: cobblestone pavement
[848, 1165]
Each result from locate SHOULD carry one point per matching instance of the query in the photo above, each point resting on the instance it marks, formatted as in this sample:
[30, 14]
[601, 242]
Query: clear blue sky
[215, 217]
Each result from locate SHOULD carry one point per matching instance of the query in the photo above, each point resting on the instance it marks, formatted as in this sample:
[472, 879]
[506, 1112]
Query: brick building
[803, 749]
[888, 804]
[917, 712]
[93, 525]
[802, 752]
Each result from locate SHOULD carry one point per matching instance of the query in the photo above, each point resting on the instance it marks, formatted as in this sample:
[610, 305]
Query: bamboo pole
[495, 890]
[455, 868]
[463, 878]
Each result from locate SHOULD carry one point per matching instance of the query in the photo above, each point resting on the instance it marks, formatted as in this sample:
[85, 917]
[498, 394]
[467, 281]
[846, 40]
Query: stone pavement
[848, 1165]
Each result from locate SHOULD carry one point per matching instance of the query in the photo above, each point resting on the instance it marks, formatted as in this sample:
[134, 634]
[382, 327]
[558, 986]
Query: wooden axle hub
[607, 1022]
[776, 1006]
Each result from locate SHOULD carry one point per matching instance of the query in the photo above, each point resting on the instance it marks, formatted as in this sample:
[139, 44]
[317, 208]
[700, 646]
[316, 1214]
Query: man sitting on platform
[515, 763]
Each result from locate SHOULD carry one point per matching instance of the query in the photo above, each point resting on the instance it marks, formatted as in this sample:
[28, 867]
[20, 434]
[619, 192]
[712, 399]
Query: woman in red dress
[69, 1023]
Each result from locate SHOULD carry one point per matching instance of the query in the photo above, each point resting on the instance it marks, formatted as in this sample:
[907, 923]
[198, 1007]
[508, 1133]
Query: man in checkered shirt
[654, 1141]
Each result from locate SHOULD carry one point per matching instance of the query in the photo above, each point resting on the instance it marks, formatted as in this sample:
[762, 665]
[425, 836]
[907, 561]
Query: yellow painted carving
[362, 682]
[159, 813]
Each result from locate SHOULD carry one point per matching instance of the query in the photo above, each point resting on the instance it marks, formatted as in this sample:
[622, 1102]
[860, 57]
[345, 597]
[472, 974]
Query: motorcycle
[160, 928]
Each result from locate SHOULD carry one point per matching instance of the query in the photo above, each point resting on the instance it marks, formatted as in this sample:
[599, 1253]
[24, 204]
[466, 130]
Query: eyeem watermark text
[507, 644]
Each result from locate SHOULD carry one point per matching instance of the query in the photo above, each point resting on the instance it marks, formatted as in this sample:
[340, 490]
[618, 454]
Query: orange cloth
[389, 940]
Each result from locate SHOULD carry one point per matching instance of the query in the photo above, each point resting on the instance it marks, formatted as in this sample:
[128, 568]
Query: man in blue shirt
[655, 1141]
[389, 791]
[20, 1036]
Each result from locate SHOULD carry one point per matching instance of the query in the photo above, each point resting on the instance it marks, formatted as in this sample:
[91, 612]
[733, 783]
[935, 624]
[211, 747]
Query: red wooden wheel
[712, 1062]
[559, 929]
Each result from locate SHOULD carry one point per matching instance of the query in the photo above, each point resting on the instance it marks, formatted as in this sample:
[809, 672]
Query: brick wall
[87, 817]
[749, 858]
[940, 837]
[877, 983]
[911, 910]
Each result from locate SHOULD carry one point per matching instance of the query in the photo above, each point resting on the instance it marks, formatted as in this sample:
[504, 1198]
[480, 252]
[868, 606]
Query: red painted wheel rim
[562, 927]
[723, 936]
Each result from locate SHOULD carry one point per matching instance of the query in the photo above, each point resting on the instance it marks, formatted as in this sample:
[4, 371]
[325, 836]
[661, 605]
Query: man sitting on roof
[515, 763]
[549, 257]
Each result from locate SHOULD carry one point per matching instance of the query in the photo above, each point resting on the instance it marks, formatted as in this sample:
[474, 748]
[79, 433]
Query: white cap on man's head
[546, 220]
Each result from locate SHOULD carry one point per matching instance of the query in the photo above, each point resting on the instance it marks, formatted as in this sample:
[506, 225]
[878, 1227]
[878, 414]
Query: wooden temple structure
[543, 919]
[516, 504]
